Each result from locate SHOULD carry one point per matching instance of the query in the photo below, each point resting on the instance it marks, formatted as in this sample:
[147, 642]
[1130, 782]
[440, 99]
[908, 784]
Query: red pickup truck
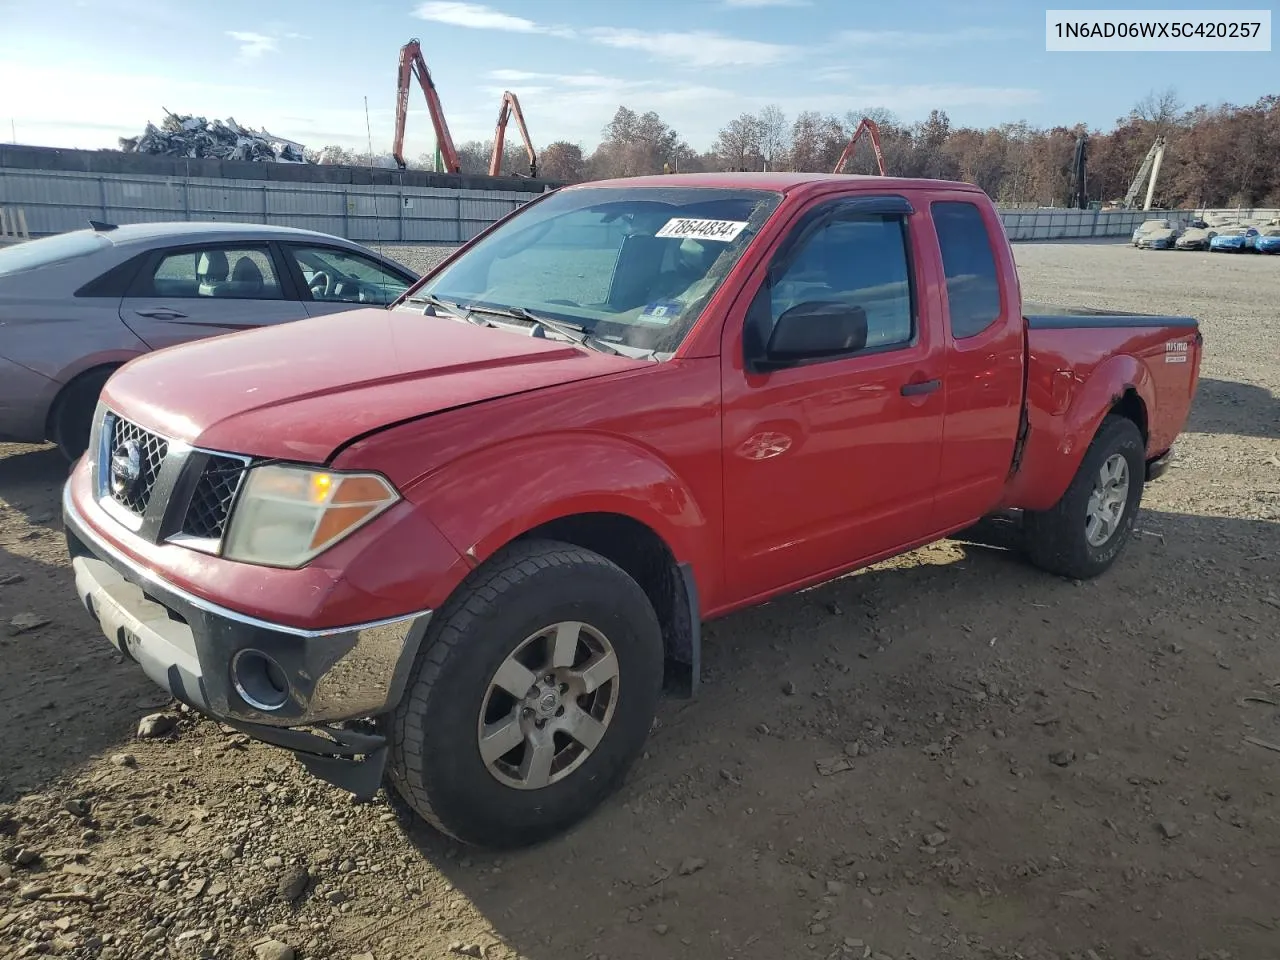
[464, 541]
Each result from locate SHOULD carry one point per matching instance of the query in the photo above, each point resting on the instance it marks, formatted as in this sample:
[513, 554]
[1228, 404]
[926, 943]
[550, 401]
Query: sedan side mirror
[813, 330]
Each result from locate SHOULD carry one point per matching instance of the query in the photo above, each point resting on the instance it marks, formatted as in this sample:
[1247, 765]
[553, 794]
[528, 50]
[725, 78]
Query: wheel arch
[107, 367]
[640, 551]
[1059, 437]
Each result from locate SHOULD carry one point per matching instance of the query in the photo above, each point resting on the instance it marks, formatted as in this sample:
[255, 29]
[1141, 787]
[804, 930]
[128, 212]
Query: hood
[300, 390]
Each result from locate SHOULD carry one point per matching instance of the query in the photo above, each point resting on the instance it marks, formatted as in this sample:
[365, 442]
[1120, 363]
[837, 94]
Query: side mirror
[814, 329]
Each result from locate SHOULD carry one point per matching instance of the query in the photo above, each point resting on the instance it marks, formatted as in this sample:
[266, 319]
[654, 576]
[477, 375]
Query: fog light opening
[259, 680]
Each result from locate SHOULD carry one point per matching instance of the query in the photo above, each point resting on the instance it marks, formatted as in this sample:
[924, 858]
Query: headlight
[286, 515]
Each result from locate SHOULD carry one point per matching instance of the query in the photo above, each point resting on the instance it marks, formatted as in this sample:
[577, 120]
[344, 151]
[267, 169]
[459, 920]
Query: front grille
[131, 447]
[210, 504]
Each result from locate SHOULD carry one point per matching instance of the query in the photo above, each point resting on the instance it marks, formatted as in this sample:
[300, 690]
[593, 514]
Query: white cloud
[921, 38]
[476, 16]
[907, 100]
[253, 44]
[695, 49]
[757, 4]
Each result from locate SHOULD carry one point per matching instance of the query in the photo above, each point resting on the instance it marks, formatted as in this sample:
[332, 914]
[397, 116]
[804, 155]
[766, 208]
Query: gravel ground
[949, 755]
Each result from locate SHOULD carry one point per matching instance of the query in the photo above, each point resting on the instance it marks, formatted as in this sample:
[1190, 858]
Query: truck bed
[1052, 316]
[1081, 361]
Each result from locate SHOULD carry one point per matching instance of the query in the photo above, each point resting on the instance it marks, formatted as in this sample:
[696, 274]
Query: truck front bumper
[269, 681]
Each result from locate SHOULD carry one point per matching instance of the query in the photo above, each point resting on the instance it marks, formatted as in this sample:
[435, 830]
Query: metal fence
[54, 201]
[57, 201]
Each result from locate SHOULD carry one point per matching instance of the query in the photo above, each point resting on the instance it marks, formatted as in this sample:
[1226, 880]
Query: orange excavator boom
[412, 64]
[873, 131]
[509, 106]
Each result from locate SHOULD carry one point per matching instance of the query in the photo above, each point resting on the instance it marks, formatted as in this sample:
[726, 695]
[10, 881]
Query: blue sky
[83, 72]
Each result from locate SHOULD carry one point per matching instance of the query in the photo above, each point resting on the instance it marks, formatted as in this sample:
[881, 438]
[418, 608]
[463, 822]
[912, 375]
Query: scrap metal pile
[198, 138]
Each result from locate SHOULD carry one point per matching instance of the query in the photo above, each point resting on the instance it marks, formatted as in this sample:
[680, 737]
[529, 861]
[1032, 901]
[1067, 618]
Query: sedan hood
[300, 390]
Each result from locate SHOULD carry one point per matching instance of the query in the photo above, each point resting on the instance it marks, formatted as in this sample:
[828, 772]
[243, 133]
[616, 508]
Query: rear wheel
[531, 699]
[72, 418]
[1082, 535]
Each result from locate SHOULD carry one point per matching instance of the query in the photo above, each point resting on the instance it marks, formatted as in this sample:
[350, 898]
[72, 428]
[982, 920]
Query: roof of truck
[783, 182]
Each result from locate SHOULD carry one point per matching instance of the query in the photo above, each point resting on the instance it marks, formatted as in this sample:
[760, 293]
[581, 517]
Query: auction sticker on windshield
[686, 229]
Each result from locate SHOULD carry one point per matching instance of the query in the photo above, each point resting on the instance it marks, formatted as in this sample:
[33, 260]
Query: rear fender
[1063, 422]
[486, 499]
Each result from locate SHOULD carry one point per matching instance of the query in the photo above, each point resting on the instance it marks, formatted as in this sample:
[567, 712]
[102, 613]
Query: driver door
[832, 460]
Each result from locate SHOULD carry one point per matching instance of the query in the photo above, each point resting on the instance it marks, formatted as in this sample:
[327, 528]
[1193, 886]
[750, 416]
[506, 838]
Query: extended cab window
[237, 273]
[969, 263]
[859, 262]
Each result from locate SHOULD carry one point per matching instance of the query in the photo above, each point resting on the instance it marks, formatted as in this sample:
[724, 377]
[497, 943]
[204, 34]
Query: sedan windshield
[631, 267]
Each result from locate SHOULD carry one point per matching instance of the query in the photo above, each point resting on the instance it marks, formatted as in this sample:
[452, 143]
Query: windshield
[48, 250]
[631, 266]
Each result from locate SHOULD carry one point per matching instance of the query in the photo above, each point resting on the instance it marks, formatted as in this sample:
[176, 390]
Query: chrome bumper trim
[83, 529]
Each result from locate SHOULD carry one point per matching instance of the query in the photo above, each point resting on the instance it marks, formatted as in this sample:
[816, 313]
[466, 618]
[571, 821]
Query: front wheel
[1082, 535]
[531, 698]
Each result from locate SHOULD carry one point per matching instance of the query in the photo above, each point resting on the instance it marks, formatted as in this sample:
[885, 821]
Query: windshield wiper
[572, 331]
[455, 310]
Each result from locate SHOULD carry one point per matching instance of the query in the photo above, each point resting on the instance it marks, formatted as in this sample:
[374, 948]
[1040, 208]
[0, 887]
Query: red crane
[509, 106]
[873, 131]
[412, 63]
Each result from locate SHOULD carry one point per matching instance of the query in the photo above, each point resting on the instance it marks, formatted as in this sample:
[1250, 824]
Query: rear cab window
[969, 265]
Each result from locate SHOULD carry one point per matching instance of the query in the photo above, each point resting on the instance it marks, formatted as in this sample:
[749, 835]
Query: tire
[72, 418]
[435, 759]
[1058, 540]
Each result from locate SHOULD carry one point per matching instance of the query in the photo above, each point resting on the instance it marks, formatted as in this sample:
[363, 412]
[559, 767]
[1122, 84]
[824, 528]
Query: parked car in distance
[492, 518]
[77, 305]
[1195, 238]
[1156, 234]
[1268, 240]
[1238, 239]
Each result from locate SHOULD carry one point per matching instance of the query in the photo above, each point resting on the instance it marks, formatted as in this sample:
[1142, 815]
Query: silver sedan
[75, 306]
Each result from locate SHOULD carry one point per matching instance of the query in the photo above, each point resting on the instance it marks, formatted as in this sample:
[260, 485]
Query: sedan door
[332, 279]
[196, 291]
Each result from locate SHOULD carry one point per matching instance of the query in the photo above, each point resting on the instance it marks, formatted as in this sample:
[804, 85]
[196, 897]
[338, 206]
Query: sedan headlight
[286, 515]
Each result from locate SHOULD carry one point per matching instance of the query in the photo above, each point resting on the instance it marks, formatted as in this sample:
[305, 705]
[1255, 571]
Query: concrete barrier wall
[57, 201]
[418, 210]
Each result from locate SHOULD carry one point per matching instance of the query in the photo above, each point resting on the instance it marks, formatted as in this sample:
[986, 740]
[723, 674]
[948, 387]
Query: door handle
[161, 314]
[920, 387]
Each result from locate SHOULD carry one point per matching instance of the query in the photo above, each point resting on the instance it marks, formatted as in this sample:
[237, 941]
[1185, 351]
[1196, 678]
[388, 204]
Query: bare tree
[738, 144]
[1158, 110]
[562, 161]
[882, 117]
[773, 136]
[635, 145]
